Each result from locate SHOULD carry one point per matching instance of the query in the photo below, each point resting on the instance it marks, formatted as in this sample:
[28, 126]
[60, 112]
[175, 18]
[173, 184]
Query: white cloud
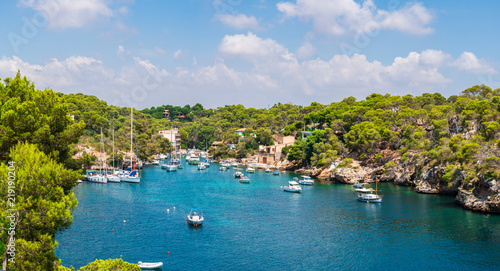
[178, 54]
[337, 17]
[306, 50]
[120, 52]
[63, 14]
[238, 21]
[251, 47]
[273, 74]
[469, 62]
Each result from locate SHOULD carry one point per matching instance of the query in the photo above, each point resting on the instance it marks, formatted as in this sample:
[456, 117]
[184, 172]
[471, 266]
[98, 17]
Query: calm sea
[258, 226]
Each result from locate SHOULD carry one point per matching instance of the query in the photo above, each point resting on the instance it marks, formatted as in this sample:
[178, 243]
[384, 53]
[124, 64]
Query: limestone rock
[484, 197]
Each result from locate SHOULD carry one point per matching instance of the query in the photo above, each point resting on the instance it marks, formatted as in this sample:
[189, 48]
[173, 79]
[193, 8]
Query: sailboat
[375, 198]
[113, 177]
[171, 166]
[99, 178]
[133, 177]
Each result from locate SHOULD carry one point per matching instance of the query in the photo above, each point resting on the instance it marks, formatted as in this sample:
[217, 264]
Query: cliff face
[482, 195]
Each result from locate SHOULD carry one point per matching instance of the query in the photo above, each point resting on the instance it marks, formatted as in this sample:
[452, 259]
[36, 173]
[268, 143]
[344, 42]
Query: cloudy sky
[215, 52]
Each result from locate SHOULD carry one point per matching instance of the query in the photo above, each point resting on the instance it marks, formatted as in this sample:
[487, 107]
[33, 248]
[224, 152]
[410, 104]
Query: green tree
[110, 265]
[38, 117]
[43, 206]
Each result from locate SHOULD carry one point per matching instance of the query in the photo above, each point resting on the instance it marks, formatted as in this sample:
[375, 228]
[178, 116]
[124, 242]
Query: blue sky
[147, 53]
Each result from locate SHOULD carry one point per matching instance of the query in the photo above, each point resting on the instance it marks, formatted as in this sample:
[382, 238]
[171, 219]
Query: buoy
[196, 225]
[186, 220]
[174, 207]
[168, 210]
[124, 221]
[168, 252]
[113, 230]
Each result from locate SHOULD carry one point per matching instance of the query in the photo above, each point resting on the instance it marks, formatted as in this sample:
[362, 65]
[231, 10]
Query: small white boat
[155, 162]
[171, 167]
[201, 166]
[293, 186]
[195, 217]
[370, 198]
[235, 164]
[180, 166]
[244, 179]
[150, 265]
[222, 168]
[238, 174]
[268, 170]
[358, 185]
[133, 177]
[251, 170]
[306, 180]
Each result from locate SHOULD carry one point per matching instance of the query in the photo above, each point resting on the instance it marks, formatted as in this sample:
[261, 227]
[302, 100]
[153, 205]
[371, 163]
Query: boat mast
[100, 154]
[113, 149]
[131, 150]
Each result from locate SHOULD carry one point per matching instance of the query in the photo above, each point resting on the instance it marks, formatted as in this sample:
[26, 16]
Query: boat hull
[292, 190]
[113, 179]
[97, 179]
[130, 179]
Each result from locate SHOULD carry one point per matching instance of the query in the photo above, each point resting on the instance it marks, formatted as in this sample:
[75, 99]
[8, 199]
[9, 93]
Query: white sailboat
[113, 177]
[99, 178]
[375, 198]
[133, 177]
[171, 166]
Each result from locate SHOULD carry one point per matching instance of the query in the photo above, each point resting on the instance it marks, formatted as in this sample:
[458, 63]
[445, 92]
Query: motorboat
[201, 166]
[180, 166]
[235, 164]
[293, 186]
[244, 179]
[195, 217]
[276, 172]
[268, 170]
[155, 162]
[251, 170]
[358, 185]
[146, 266]
[238, 174]
[222, 168]
[375, 198]
[306, 180]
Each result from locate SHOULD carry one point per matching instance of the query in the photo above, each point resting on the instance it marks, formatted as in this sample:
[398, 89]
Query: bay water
[258, 226]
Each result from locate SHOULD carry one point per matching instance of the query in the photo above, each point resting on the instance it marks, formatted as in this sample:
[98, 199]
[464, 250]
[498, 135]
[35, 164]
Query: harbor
[258, 226]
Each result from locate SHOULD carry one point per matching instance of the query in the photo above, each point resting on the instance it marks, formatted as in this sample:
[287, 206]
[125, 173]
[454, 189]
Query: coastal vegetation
[453, 140]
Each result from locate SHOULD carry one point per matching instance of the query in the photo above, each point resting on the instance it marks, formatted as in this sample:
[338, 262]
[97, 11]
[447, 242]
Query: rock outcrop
[483, 197]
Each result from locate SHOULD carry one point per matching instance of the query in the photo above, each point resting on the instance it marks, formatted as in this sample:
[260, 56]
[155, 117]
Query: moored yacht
[306, 180]
[293, 186]
[195, 217]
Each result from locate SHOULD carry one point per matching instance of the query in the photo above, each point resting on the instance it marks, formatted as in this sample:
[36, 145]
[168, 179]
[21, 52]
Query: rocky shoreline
[482, 195]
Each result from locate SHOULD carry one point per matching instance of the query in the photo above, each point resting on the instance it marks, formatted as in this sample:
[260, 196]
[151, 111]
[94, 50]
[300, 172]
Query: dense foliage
[43, 206]
[35, 116]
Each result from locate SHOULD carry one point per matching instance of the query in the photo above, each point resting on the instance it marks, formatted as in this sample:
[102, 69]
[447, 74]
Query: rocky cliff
[482, 195]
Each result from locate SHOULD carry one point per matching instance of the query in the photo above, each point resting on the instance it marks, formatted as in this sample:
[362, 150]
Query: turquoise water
[257, 226]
